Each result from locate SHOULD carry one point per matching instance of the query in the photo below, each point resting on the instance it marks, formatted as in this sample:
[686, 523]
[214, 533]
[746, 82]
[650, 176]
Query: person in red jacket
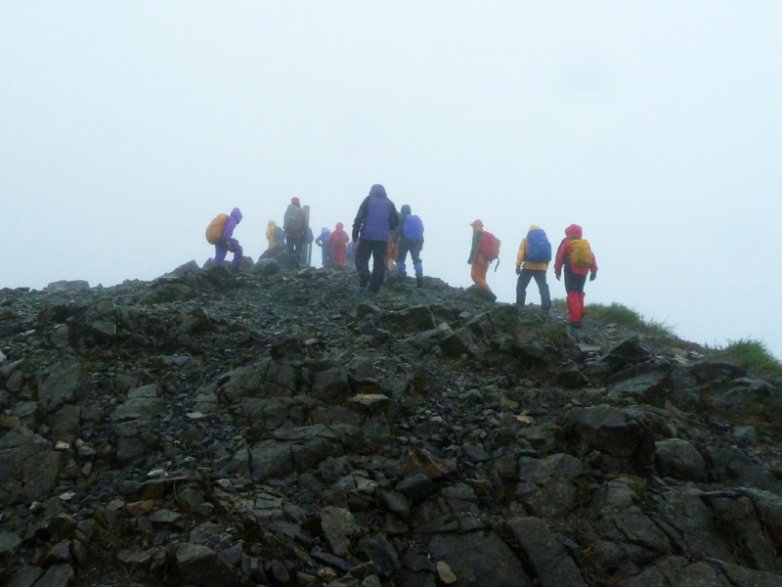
[338, 242]
[575, 255]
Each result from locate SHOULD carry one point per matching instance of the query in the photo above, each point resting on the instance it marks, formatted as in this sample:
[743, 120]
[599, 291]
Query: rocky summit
[275, 428]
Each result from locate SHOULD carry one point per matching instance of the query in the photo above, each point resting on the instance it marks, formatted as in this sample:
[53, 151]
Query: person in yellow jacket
[532, 262]
[274, 235]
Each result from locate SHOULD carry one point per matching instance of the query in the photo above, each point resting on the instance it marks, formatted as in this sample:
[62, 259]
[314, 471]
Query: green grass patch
[622, 316]
[752, 355]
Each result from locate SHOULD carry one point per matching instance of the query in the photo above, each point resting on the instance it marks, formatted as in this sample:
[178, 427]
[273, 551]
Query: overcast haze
[126, 126]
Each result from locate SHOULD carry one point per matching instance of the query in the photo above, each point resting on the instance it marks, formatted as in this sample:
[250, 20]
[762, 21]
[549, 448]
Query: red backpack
[489, 246]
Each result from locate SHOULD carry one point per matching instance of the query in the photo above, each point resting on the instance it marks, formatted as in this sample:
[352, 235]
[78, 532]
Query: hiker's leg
[521, 286]
[400, 258]
[234, 246]
[545, 295]
[363, 251]
[220, 250]
[415, 253]
[573, 308]
[478, 272]
[379, 252]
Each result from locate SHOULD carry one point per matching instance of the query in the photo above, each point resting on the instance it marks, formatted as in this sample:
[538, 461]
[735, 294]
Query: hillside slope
[272, 428]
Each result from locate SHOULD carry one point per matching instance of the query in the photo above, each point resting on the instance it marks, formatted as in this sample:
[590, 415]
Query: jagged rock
[678, 458]
[550, 562]
[278, 427]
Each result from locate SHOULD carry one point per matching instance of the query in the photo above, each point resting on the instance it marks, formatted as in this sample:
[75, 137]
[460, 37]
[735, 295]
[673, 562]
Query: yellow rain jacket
[523, 251]
[270, 234]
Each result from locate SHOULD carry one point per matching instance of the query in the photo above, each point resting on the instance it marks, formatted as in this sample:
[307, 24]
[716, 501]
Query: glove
[592, 275]
[518, 269]
[557, 276]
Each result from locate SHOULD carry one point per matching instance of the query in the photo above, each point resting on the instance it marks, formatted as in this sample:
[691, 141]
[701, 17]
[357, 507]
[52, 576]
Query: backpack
[538, 247]
[279, 235]
[489, 246]
[214, 232]
[295, 220]
[580, 253]
[413, 229]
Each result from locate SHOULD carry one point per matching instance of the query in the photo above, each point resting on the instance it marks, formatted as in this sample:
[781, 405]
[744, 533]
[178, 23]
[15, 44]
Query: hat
[295, 201]
[477, 224]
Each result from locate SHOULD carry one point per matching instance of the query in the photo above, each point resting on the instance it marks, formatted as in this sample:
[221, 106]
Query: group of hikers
[387, 237]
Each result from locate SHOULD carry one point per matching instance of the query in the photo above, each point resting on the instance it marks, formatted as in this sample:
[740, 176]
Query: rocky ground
[278, 428]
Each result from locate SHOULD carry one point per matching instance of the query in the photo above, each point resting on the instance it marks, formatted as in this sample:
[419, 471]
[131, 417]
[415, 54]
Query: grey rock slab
[679, 459]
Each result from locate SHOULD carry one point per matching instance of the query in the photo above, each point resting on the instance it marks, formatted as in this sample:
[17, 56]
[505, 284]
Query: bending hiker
[274, 235]
[411, 238]
[575, 254]
[532, 262]
[485, 248]
[338, 241]
[295, 226]
[322, 241]
[220, 233]
[376, 218]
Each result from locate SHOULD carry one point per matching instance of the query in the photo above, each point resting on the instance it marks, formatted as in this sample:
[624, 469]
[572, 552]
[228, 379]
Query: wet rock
[677, 458]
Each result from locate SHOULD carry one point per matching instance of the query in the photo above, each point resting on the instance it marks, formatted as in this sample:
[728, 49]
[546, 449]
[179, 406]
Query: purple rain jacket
[376, 217]
[234, 219]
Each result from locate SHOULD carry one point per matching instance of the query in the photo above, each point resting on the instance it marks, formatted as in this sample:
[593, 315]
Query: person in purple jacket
[376, 218]
[228, 243]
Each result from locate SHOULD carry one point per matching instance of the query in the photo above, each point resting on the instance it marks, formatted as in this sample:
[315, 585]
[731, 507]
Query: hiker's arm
[362, 212]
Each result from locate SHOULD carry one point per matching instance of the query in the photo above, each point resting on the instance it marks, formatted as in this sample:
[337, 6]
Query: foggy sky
[126, 126]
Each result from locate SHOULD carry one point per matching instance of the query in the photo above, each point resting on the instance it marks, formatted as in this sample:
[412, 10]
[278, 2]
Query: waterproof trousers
[377, 250]
[221, 249]
[478, 271]
[574, 286]
[414, 247]
[523, 281]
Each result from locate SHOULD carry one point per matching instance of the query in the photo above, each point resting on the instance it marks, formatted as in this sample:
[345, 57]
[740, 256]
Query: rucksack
[538, 247]
[489, 246]
[214, 232]
[580, 253]
[279, 235]
[413, 229]
[295, 220]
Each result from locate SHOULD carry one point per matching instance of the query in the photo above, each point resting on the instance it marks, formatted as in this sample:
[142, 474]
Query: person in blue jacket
[411, 239]
[376, 218]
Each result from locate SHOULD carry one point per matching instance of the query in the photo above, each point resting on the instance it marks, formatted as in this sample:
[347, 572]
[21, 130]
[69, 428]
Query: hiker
[376, 218]
[322, 240]
[307, 247]
[337, 243]
[274, 235]
[532, 262]
[410, 238]
[482, 253]
[575, 254]
[295, 227]
[225, 241]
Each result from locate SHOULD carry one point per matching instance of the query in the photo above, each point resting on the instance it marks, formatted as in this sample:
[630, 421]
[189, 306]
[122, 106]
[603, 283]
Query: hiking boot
[419, 281]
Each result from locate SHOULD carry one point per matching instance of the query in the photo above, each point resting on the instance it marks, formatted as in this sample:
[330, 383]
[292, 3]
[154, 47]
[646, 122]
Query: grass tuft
[753, 356]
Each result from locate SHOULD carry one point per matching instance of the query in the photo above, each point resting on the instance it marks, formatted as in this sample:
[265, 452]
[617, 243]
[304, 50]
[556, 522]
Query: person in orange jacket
[479, 264]
[575, 255]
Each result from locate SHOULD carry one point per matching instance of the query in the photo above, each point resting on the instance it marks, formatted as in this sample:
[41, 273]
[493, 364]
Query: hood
[236, 214]
[340, 226]
[377, 190]
[573, 231]
[325, 231]
[295, 201]
[272, 224]
[477, 224]
[405, 211]
[533, 227]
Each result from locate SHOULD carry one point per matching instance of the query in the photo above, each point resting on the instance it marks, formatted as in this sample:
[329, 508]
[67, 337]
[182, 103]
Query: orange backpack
[214, 232]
